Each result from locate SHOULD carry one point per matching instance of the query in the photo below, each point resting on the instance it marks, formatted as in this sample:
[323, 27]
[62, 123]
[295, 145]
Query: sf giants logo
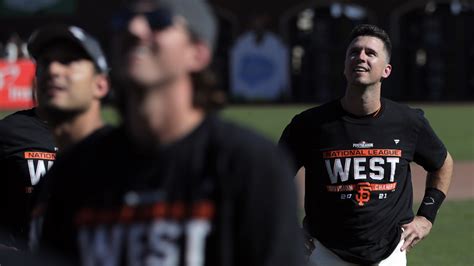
[363, 193]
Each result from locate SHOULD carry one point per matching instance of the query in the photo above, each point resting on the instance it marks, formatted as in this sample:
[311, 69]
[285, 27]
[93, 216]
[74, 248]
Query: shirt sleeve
[430, 151]
[269, 232]
[290, 143]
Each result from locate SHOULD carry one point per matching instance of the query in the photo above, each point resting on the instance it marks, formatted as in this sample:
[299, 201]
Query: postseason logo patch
[363, 145]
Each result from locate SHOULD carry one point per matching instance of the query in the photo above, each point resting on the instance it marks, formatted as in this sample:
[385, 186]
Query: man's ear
[202, 56]
[102, 86]
[387, 70]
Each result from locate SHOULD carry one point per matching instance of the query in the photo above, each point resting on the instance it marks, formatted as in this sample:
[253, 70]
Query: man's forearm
[441, 178]
[437, 185]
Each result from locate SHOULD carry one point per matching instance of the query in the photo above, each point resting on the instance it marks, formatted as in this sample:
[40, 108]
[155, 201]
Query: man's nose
[56, 68]
[361, 56]
[139, 27]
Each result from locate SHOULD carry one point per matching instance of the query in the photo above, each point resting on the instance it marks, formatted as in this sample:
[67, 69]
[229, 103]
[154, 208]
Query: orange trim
[159, 210]
[40, 155]
[203, 209]
[362, 153]
[126, 214]
[377, 112]
[177, 210]
[354, 187]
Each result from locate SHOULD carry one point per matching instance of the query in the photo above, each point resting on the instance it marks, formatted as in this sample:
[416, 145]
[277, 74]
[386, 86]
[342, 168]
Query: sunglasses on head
[157, 19]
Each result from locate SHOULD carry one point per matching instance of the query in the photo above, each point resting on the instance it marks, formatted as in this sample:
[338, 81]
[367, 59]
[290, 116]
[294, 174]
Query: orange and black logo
[363, 193]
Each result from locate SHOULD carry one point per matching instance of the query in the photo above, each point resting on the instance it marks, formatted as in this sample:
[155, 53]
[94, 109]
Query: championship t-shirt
[358, 189]
[27, 151]
[219, 196]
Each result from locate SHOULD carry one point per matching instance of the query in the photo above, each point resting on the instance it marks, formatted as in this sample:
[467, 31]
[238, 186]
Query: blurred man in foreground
[175, 185]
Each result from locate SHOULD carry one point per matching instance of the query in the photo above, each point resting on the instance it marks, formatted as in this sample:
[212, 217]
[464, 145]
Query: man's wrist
[431, 203]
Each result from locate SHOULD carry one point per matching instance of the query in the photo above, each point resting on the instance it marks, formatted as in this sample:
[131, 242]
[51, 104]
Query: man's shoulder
[24, 127]
[244, 147]
[22, 114]
[402, 110]
[103, 140]
[226, 129]
[229, 135]
[320, 113]
[18, 118]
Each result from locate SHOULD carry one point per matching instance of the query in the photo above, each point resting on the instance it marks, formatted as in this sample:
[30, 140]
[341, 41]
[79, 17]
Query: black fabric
[358, 183]
[26, 152]
[220, 194]
[431, 203]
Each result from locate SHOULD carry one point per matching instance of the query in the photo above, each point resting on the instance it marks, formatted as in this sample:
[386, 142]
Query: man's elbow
[448, 163]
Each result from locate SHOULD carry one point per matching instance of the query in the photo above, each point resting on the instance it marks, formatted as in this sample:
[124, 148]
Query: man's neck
[181, 124]
[362, 101]
[182, 117]
[78, 127]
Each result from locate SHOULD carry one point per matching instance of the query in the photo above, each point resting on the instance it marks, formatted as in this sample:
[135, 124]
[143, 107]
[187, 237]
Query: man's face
[158, 56]
[159, 63]
[65, 79]
[366, 61]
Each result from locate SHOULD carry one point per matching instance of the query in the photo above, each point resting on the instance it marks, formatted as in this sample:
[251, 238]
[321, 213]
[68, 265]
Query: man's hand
[415, 231]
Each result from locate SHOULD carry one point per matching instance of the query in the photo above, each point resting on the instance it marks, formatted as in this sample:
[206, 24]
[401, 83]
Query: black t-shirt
[43, 196]
[358, 183]
[27, 151]
[219, 196]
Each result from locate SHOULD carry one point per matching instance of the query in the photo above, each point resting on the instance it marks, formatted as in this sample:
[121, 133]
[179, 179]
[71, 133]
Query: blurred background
[277, 58]
[299, 52]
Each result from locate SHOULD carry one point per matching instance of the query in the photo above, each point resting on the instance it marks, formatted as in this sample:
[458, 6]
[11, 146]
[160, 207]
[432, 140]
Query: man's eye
[67, 60]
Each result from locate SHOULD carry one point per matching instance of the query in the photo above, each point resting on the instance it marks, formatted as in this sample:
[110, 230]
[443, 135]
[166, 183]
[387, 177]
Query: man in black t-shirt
[27, 151]
[174, 185]
[72, 79]
[356, 152]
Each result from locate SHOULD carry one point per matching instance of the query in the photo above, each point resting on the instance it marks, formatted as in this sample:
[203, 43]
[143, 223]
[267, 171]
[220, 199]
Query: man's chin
[145, 80]
[53, 107]
[142, 74]
[361, 83]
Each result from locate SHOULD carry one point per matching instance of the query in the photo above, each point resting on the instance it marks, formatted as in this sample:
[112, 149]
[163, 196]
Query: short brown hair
[374, 31]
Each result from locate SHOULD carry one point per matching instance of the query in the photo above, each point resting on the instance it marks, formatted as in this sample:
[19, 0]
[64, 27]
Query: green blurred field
[451, 241]
[454, 124]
